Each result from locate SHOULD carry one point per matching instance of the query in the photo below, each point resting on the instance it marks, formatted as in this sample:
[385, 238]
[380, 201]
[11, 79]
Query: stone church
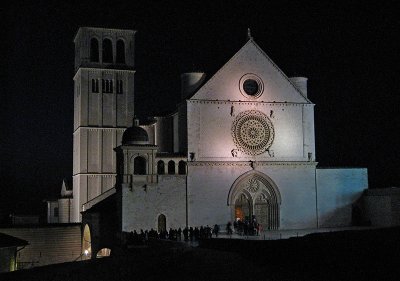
[240, 144]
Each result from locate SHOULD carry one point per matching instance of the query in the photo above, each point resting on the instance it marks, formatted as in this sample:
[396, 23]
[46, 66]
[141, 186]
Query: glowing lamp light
[86, 252]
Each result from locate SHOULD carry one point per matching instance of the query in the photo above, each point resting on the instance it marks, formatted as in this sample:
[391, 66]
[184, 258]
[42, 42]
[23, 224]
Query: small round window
[251, 86]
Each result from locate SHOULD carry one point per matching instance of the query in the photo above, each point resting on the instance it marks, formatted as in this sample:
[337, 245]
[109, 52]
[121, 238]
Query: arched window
[171, 167]
[139, 166]
[105, 252]
[120, 51]
[160, 167]
[86, 243]
[94, 50]
[182, 167]
[107, 51]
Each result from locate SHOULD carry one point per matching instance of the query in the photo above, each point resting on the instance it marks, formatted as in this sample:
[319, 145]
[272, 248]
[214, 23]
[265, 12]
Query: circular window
[251, 86]
[252, 132]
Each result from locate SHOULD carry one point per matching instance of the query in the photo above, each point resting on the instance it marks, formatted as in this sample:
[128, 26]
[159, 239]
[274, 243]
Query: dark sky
[348, 52]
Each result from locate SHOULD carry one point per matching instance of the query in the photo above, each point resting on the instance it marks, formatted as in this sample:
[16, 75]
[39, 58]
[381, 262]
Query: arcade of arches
[87, 246]
[255, 195]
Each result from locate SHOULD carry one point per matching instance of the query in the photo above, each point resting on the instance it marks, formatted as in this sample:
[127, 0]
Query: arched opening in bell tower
[94, 50]
[120, 51]
[107, 51]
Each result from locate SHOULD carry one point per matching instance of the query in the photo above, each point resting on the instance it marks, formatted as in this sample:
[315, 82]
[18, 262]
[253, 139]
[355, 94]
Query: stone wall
[382, 206]
[144, 202]
[338, 190]
[47, 244]
[209, 186]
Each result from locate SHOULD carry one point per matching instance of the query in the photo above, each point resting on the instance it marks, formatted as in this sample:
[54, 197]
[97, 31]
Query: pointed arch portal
[254, 194]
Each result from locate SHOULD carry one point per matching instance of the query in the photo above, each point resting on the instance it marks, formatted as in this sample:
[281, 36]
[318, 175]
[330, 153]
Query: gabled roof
[249, 59]
[65, 190]
[9, 241]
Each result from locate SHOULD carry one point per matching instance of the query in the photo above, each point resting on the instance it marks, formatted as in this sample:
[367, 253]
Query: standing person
[179, 233]
[229, 228]
[196, 233]
[216, 230]
[186, 233]
[191, 233]
[208, 232]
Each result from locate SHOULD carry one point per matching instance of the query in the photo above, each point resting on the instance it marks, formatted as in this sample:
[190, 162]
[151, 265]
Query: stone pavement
[285, 234]
[275, 234]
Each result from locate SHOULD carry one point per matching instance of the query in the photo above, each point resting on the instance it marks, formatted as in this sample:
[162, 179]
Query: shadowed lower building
[9, 247]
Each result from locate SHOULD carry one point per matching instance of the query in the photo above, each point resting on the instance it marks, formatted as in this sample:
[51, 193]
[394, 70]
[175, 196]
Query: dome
[135, 135]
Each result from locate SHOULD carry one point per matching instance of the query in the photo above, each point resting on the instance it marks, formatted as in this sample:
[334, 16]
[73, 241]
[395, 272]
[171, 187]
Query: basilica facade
[240, 145]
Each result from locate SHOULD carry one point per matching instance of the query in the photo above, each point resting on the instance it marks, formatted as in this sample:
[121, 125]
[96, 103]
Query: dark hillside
[346, 255]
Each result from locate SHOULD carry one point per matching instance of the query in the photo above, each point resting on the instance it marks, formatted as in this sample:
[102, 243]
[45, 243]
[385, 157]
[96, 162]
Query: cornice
[96, 174]
[107, 129]
[252, 163]
[110, 70]
[250, 102]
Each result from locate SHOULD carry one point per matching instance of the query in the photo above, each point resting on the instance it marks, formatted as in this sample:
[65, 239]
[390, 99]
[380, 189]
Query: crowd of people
[245, 227]
[186, 234]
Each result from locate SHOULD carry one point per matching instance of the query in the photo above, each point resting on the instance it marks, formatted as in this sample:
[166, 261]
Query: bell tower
[103, 108]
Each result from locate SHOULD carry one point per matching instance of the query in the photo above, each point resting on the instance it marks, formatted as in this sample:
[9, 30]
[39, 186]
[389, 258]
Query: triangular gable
[65, 192]
[250, 60]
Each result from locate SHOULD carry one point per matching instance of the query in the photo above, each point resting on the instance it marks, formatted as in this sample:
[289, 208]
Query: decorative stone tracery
[262, 199]
[252, 132]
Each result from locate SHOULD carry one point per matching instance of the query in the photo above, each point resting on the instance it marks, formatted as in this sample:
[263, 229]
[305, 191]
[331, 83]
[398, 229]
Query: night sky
[348, 52]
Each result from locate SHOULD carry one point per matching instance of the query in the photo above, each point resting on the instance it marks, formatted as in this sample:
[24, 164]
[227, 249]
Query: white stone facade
[241, 145]
[103, 108]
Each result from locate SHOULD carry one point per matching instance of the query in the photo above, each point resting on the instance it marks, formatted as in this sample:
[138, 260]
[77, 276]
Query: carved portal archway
[255, 194]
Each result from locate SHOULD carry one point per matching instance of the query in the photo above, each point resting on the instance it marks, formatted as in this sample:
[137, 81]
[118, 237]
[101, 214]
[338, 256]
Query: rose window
[252, 132]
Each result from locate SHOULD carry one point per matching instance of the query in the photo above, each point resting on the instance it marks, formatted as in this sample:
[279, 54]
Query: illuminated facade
[103, 108]
[240, 145]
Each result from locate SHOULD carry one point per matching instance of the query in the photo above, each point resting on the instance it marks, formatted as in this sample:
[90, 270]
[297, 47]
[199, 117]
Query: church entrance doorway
[254, 197]
[162, 223]
[243, 208]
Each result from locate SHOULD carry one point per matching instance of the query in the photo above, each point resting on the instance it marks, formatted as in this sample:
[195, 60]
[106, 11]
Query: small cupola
[135, 135]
